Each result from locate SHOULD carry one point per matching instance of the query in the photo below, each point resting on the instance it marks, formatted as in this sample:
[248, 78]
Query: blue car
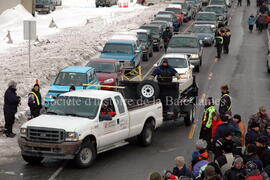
[71, 76]
[128, 52]
[205, 33]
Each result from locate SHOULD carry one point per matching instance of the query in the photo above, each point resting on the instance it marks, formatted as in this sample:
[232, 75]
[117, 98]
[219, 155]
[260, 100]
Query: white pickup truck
[83, 123]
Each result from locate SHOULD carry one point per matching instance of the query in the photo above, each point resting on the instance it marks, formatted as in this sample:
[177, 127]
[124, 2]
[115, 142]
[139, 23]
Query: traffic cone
[52, 24]
[9, 38]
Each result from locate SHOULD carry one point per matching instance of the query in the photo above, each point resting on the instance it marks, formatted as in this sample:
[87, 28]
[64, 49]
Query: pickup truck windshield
[75, 106]
[183, 42]
[202, 29]
[217, 10]
[176, 62]
[118, 48]
[153, 30]
[142, 37]
[174, 10]
[70, 78]
[206, 17]
[102, 67]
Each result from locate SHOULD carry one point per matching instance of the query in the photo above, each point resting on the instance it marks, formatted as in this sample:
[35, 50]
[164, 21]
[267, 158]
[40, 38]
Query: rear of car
[178, 12]
[44, 6]
[220, 13]
[170, 18]
[204, 33]
[156, 33]
[207, 18]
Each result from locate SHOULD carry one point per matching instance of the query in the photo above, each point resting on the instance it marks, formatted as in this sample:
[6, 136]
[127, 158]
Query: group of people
[223, 38]
[12, 101]
[225, 149]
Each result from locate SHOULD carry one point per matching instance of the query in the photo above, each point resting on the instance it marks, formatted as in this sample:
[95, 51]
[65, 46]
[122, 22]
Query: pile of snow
[79, 3]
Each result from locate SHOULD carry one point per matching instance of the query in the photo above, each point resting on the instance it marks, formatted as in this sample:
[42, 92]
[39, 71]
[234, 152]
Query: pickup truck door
[122, 118]
[107, 131]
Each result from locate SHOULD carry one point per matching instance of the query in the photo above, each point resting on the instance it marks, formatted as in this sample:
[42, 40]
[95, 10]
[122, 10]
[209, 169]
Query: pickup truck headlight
[72, 136]
[194, 56]
[23, 132]
[111, 80]
[206, 38]
[155, 40]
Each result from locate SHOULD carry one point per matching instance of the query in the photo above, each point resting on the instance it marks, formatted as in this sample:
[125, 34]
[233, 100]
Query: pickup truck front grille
[46, 135]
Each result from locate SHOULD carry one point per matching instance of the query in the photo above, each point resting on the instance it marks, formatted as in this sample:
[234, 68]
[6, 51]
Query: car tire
[32, 160]
[151, 53]
[197, 68]
[189, 118]
[86, 155]
[145, 138]
[148, 89]
[146, 57]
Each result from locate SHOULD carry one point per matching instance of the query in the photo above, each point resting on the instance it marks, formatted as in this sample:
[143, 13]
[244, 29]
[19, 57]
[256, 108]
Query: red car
[108, 71]
[177, 11]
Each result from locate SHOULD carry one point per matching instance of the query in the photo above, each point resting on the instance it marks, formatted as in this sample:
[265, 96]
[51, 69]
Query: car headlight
[213, 26]
[51, 96]
[206, 38]
[72, 136]
[194, 56]
[111, 80]
[155, 40]
[23, 132]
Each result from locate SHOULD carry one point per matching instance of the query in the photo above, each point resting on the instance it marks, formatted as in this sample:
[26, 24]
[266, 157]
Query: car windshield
[217, 10]
[42, 1]
[174, 10]
[153, 30]
[164, 19]
[142, 37]
[118, 48]
[201, 29]
[70, 78]
[176, 62]
[75, 106]
[183, 42]
[164, 12]
[103, 67]
[206, 17]
[217, 2]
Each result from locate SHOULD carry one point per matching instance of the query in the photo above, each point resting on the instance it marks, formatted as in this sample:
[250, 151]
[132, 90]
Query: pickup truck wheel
[148, 89]
[86, 155]
[32, 160]
[145, 138]
[151, 53]
[189, 119]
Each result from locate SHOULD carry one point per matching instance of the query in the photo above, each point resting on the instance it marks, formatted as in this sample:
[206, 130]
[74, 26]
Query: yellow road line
[192, 131]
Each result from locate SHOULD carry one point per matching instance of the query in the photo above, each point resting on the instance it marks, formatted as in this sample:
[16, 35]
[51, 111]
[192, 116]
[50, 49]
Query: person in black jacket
[251, 153]
[226, 41]
[237, 172]
[225, 101]
[166, 36]
[11, 103]
[35, 101]
[263, 151]
[181, 169]
[252, 134]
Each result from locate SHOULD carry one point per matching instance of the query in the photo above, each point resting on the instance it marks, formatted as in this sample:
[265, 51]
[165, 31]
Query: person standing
[225, 101]
[219, 43]
[166, 36]
[206, 129]
[237, 172]
[239, 3]
[238, 121]
[251, 22]
[261, 117]
[226, 42]
[35, 101]
[181, 169]
[248, 2]
[11, 103]
[253, 133]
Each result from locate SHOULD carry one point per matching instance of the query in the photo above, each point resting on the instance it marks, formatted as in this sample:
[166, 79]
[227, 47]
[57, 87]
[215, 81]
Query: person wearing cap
[219, 43]
[252, 171]
[261, 117]
[164, 73]
[11, 103]
[206, 128]
[263, 150]
[35, 101]
[238, 121]
[166, 36]
[181, 168]
[236, 172]
[251, 153]
[225, 101]
[252, 134]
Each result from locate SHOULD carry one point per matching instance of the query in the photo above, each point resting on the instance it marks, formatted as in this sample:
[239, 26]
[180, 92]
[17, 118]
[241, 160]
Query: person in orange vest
[35, 101]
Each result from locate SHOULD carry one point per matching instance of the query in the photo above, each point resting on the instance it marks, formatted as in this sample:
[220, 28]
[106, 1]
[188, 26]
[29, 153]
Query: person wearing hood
[263, 150]
[35, 101]
[252, 134]
[164, 73]
[11, 103]
[206, 128]
[251, 22]
[225, 101]
[261, 117]
[252, 171]
[237, 172]
[251, 153]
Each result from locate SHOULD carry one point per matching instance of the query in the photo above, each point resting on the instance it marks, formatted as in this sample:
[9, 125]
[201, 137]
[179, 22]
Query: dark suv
[156, 33]
[105, 3]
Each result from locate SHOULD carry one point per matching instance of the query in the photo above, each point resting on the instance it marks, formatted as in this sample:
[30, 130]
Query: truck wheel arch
[151, 120]
[92, 139]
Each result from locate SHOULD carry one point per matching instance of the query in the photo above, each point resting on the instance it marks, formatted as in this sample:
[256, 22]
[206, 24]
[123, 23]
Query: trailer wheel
[145, 138]
[86, 155]
[189, 118]
[148, 89]
[32, 160]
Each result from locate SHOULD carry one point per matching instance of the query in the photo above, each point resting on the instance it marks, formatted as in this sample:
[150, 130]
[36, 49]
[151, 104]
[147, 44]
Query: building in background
[29, 5]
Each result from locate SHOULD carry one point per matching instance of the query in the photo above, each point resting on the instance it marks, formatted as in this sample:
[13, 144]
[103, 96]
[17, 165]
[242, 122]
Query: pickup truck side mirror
[105, 117]
[192, 66]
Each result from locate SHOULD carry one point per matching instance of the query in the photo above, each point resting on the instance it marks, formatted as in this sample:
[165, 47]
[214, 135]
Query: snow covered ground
[73, 43]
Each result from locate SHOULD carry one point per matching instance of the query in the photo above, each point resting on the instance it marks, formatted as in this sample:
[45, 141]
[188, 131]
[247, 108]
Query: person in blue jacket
[164, 73]
[251, 22]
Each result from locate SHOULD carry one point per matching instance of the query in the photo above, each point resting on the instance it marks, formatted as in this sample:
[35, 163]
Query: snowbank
[79, 3]
[69, 46]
